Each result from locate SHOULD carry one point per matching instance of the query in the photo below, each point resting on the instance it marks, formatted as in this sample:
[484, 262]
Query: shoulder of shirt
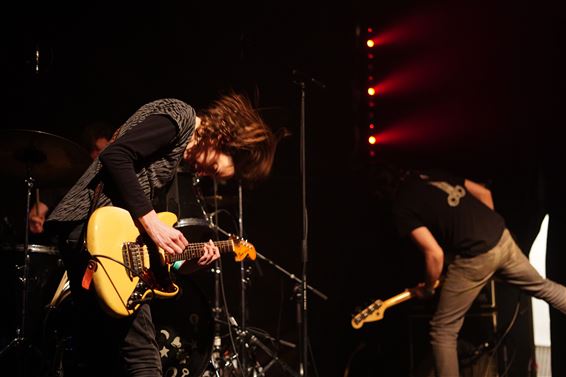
[442, 175]
[169, 101]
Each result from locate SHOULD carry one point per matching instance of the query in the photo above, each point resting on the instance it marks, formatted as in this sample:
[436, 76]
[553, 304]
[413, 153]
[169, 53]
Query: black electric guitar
[129, 269]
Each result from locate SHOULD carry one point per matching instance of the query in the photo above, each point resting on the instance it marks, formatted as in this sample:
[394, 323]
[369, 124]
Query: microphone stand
[291, 275]
[301, 80]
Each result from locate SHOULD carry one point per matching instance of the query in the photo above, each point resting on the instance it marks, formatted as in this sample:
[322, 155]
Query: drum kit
[31, 271]
[36, 339]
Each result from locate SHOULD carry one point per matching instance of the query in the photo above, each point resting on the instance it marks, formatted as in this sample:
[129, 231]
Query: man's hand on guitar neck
[211, 253]
[423, 291]
[172, 241]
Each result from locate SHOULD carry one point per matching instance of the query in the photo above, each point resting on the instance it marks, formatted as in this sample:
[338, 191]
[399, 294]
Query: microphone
[303, 77]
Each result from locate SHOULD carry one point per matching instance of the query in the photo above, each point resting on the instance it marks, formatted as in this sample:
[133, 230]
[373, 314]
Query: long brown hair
[231, 125]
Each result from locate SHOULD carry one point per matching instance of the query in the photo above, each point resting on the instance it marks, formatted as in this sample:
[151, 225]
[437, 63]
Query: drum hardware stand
[29, 156]
[216, 357]
[246, 337]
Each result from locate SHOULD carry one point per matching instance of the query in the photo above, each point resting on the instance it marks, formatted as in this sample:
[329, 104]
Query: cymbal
[51, 160]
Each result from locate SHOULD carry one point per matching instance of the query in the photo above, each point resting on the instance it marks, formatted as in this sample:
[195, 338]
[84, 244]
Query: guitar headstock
[243, 249]
[371, 313]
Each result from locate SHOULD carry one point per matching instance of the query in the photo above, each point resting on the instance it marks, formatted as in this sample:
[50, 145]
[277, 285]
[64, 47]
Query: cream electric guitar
[374, 311]
[128, 269]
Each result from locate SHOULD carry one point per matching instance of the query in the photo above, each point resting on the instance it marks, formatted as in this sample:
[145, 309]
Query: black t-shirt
[460, 222]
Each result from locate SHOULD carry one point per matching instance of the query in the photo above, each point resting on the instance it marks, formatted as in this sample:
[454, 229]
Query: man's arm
[434, 260]
[481, 192]
[119, 160]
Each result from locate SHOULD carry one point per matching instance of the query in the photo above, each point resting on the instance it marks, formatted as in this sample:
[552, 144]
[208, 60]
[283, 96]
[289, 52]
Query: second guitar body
[128, 269]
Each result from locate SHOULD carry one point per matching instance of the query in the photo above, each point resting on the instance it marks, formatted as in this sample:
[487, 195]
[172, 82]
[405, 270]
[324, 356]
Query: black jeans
[104, 345]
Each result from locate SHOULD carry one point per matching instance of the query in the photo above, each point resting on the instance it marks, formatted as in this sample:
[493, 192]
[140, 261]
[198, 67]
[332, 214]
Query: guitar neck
[397, 299]
[196, 250]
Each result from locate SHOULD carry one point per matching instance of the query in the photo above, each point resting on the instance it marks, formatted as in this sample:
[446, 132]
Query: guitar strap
[92, 263]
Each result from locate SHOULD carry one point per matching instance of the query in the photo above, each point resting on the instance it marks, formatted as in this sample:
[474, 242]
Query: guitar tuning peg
[357, 310]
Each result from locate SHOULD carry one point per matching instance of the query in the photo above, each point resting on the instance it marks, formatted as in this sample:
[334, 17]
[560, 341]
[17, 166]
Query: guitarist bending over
[229, 139]
[445, 214]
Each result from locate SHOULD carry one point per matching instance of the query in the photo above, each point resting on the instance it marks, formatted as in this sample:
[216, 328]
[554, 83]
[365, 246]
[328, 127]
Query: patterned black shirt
[153, 172]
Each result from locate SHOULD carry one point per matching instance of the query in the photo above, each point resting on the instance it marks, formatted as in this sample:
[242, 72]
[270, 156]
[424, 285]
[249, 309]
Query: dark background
[483, 98]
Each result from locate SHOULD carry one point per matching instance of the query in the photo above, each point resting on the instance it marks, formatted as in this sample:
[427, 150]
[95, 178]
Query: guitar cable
[96, 258]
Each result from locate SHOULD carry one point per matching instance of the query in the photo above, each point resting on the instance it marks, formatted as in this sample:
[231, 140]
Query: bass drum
[184, 328]
[183, 324]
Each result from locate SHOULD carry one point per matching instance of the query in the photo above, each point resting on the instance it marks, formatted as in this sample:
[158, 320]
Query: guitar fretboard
[196, 250]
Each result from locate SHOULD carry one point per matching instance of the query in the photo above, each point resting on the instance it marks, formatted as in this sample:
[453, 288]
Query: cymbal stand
[21, 333]
[244, 280]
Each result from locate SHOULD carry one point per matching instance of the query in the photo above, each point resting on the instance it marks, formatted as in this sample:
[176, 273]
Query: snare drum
[33, 248]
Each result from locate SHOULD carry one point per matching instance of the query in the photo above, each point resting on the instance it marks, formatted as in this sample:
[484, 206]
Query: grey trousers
[464, 280]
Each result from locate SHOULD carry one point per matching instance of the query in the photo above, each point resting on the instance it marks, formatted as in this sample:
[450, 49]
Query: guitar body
[128, 271]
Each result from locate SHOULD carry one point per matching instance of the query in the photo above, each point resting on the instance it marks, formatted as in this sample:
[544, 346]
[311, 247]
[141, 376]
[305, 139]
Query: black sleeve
[406, 211]
[120, 158]
[405, 220]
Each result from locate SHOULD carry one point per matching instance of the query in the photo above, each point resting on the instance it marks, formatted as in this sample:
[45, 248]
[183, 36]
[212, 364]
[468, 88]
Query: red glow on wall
[414, 27]
[434, 126]
[426, 74]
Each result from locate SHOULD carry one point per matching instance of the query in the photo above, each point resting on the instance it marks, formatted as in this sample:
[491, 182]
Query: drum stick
[37, 202]
[60, 288]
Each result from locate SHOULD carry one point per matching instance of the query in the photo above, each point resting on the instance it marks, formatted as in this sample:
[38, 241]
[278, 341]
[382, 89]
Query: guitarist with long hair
[228, 139]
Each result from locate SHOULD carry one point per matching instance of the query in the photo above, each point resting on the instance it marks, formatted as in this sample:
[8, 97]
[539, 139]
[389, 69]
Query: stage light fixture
[372, 139]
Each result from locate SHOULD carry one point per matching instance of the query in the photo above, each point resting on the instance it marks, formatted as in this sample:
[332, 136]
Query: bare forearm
[434, 263]
[482, 193]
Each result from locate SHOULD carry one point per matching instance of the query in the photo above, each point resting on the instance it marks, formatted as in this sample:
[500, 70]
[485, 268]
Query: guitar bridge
[132, 255]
